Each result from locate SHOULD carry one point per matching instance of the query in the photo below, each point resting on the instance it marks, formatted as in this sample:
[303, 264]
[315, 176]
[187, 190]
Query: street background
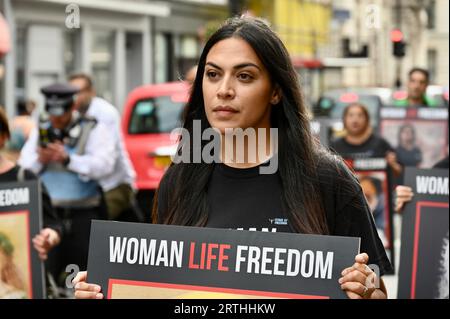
[337, 44]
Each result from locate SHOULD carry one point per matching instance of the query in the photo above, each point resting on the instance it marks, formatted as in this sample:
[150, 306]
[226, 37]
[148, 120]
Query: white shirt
[96, 163]
[123, 172]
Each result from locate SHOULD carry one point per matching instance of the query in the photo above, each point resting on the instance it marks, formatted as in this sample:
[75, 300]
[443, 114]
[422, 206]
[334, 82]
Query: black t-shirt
[409, 157]
[245, 199]
[50, 218]
[374, 147]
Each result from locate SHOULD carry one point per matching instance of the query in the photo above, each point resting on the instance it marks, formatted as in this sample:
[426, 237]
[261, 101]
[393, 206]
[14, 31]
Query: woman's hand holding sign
[83, 290]
[359, 281]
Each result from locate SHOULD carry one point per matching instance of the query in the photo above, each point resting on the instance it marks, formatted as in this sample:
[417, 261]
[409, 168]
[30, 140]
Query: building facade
[123, 44]
[303, 25]
[368, 23]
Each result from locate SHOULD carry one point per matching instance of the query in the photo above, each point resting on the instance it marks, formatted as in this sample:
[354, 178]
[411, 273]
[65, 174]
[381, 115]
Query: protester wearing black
[360, 141]
[303, 189]
[259, 205]
[374, 147]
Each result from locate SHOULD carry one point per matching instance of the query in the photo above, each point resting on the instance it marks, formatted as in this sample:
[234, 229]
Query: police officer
[70, 153]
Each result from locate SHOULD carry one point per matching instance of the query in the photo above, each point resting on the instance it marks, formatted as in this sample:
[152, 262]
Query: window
[20, 57]
[71, 51]
[431, 13]
[189, 52]
[162, 58]
[102, 62]
[157, 115]
[432, 64]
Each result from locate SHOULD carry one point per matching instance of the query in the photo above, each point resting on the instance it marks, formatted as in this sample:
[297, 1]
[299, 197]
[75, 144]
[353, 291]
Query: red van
[151, 112]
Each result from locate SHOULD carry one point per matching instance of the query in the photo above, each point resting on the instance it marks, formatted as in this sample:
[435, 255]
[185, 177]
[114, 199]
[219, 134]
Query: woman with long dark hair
[245, 80]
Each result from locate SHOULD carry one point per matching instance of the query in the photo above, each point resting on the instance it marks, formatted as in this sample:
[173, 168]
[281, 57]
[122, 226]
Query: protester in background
[118, 186]
[239, 87]
[418, 80]
[50, 236]
[20, 128]
[360, 141]
[408, 153]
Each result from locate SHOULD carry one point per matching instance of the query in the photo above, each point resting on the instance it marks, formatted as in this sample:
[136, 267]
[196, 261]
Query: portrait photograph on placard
[15, 255]
[418, 141]
[375, 179]
[376, 189]
[21, 270]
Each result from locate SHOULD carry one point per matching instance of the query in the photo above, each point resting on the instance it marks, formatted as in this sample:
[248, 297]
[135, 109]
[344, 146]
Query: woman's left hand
[358, 281]
[45, 241]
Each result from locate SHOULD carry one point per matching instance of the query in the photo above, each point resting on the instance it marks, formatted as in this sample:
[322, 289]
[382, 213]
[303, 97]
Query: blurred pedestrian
[418, 81]
[246, 80]
[118, 186]
[50, 236]
[70, 153]
[360, 141]
[20, 128]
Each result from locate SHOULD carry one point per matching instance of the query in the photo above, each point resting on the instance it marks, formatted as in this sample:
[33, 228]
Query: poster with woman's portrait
[21, 271]
[419, 136]
[375, 180]
[424, 261]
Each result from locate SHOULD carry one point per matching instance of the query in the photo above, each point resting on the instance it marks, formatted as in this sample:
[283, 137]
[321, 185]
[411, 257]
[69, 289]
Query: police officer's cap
[59, 98]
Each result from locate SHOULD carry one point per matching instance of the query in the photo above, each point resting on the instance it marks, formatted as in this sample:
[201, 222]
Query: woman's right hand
[83, 290]
[403, 194]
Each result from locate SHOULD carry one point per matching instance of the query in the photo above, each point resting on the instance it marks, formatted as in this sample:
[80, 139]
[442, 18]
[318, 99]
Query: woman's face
[237, 89]
[355, 121]
[407, 135]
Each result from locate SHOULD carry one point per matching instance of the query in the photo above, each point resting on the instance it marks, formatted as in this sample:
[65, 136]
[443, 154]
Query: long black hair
[298, 152]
